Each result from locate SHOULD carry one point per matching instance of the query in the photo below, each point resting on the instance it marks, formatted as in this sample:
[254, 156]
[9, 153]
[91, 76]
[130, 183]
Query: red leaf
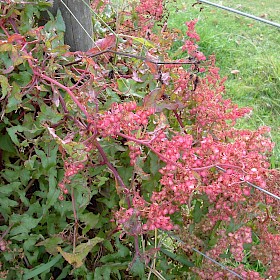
[151, 99]
[103, 44]
[153, 66]
[16, 38]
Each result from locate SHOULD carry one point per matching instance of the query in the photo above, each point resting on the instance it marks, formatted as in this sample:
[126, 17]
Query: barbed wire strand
[205, 256]
[253, 185]
[240, 13]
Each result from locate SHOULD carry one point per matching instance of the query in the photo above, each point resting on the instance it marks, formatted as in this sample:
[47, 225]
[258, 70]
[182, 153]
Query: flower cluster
[190, 44]
[124, 117]
[201, 154]
[237, 239]
[154, 215]
[3, 245]
[134, 152]
[71, 169]
[209, 271]
[268, 251]
[149, 11]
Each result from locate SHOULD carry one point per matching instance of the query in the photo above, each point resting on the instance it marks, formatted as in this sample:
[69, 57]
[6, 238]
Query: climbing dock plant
[108, 154]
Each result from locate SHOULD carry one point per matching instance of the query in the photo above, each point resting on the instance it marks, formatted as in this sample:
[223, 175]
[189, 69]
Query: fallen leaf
[235, 72]
[76, 259]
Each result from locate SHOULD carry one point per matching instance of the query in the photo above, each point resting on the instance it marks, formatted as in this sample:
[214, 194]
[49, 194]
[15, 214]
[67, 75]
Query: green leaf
[10, 59]
[76, 259]
[86, 247]
[109, 202]
[128, 87]
[52, 195]
[49, 161]
[154, 163]
[10, 188]
[138, 268]
[143, 41]
[197, 212]
[41, 268]
[28, 245]
[5, 87]
[15, 98]
[247, 246]
[101, 180]
[22, 78]
[51, 244]
[6, 206]
[112, 97]
[59, 23]
[107, 244]
[24, 224]
[232, 227]
[102, 273]
[123, 252]
[122, 85]
[33, 128]
[178, 258]
[11, 175]
[6, 144]
[5, 48]
[29, 164]
[90, 220]
[47, 114]
[24, 176]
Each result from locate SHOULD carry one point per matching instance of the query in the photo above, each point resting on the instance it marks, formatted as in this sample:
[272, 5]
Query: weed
[245, 45]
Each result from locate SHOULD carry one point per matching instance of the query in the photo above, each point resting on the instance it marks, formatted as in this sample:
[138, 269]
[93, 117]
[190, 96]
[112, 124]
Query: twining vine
[102, 149]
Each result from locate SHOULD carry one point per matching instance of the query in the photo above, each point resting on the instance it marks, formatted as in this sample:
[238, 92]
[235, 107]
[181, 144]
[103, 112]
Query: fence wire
[253, 185]
[178, 239]
[240, 13]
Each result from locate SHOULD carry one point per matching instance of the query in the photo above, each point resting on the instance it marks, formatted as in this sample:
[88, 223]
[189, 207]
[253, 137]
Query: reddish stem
[163, 158]
[76, 220]
[114, 170]
[72, 95]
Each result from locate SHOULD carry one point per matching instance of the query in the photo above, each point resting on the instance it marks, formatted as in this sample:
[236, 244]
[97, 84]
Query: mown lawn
[246, 45]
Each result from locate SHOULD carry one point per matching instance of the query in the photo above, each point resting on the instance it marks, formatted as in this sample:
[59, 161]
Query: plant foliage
[105, 155]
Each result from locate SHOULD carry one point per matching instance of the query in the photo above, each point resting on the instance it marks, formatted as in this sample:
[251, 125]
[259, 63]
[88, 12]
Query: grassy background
[246, 45]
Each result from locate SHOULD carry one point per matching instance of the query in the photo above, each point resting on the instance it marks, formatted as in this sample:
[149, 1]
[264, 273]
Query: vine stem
[71, 94]
[114, 170]
[76, 219]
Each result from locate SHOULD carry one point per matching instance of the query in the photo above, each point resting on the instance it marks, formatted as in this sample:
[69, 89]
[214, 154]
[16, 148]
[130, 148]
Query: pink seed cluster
[125, 117]
[190, 44]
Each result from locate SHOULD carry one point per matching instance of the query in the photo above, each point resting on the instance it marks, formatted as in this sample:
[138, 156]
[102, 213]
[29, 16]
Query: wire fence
[240, 13]
[178, 239]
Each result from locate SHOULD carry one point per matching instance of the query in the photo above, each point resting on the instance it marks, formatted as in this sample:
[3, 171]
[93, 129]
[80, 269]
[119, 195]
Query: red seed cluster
[3, 245]
[190, 44]
[123, 117]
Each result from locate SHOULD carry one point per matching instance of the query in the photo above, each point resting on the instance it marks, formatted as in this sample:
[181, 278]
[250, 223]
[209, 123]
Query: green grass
[245, 45]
